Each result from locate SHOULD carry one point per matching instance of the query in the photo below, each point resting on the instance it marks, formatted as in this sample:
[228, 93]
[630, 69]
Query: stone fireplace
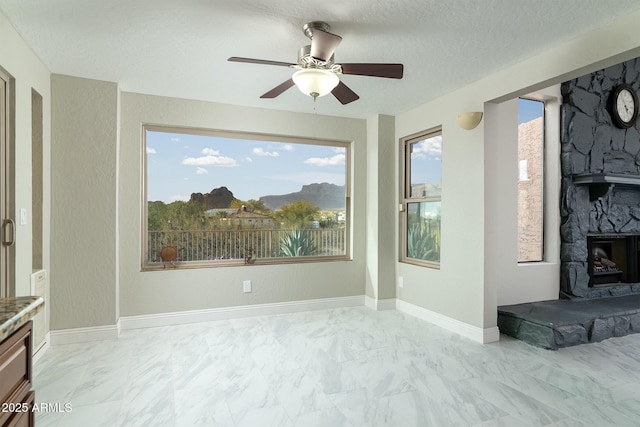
[600, 206]
[600, 223]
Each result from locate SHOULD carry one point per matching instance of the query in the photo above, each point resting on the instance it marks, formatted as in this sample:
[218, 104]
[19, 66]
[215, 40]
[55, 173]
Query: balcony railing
[206, 245]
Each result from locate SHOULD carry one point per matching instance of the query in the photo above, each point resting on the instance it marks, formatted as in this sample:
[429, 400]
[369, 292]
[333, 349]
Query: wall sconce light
[469, 120]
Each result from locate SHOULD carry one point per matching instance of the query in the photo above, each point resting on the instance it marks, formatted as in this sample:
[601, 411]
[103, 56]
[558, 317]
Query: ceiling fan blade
[323, 44]
[260, 61]
[278, 89]
[344, 94]
[391, 71]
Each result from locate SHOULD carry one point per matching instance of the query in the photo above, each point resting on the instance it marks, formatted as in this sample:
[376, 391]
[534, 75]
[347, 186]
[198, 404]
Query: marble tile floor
[340, 367]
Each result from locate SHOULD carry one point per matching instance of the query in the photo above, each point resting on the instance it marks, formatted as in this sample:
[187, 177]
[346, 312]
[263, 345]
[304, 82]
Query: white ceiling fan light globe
[314, 82]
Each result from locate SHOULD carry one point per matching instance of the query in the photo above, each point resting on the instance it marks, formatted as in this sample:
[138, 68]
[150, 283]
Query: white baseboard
[491, 335]
[224, 313]
[79, 335]
[387, 304]
[474, 333]
[379, 304]
[99, 333]
[42, 348]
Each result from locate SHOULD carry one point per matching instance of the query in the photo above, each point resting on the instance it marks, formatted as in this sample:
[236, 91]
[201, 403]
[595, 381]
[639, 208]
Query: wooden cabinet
[24, 418]
[16, 396]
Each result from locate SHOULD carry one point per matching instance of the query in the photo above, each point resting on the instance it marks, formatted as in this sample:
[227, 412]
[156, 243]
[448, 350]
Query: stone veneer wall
[592, 144]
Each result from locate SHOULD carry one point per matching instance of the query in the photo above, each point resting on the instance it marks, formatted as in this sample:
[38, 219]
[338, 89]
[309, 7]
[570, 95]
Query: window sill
[526, 264]
[190, 265]
[426, 264]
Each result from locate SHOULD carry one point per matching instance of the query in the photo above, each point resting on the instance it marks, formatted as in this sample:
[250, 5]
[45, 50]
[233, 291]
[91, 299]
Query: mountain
[326, 196]
[218, 198]
[426, 190]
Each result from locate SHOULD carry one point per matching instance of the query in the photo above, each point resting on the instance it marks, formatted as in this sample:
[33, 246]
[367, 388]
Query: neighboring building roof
[244, 213]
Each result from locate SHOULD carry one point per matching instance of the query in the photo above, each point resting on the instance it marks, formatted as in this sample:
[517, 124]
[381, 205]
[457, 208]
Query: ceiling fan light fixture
[318, 73]
[315, 82]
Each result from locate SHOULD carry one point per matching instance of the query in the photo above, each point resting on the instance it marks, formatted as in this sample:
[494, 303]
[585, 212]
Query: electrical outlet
[400, 282]
[246, 286]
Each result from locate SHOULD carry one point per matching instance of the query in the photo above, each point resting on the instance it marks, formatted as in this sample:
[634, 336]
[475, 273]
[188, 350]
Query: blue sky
[181, 164]
[426, 161]
[529, 110]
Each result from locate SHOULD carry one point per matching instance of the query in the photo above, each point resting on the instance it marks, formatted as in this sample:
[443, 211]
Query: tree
[156, 215]
[297, 214]
[181, 215]
[329, 219]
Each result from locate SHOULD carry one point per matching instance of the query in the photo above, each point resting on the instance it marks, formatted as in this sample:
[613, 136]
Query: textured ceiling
[180, 48]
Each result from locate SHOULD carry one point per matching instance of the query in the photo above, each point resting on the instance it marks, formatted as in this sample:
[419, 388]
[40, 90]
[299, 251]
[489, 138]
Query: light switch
[246, 286]
[23, 216]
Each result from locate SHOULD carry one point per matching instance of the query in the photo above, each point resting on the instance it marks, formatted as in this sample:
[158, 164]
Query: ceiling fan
[317, 73]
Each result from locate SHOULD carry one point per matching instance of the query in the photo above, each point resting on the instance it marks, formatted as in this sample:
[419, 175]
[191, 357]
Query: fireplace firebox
[613, 259]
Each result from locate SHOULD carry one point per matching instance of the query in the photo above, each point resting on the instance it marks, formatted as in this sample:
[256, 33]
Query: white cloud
[336, 160]
[201, 171]
[339, 149]
[175, 139]
[220, 161]
[428, 147]
[210, 152]
[259, 151]
[151, 150]
[288, 147]
[248, 159]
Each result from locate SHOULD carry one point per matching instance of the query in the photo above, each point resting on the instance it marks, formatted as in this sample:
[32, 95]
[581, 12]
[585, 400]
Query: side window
[422, 199]
[531, 144]
[220, 198]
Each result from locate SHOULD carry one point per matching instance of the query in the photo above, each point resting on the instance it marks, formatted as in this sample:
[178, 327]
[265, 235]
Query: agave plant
[298, 243]
[421, 243]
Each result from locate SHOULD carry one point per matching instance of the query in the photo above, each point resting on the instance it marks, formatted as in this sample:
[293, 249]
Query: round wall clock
[624, 106]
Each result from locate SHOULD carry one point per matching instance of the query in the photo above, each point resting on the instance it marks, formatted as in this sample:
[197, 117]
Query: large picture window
[218, 198]
[422, 198]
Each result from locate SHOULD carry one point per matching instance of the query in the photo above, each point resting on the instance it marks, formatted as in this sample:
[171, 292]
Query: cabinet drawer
[15, 367]
[25, 418]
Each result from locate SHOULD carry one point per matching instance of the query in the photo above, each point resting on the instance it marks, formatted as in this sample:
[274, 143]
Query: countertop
[16, 311]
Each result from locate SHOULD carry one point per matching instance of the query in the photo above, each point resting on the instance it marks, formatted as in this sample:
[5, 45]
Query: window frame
[407, 199]
[145, 265]
[7, 183]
